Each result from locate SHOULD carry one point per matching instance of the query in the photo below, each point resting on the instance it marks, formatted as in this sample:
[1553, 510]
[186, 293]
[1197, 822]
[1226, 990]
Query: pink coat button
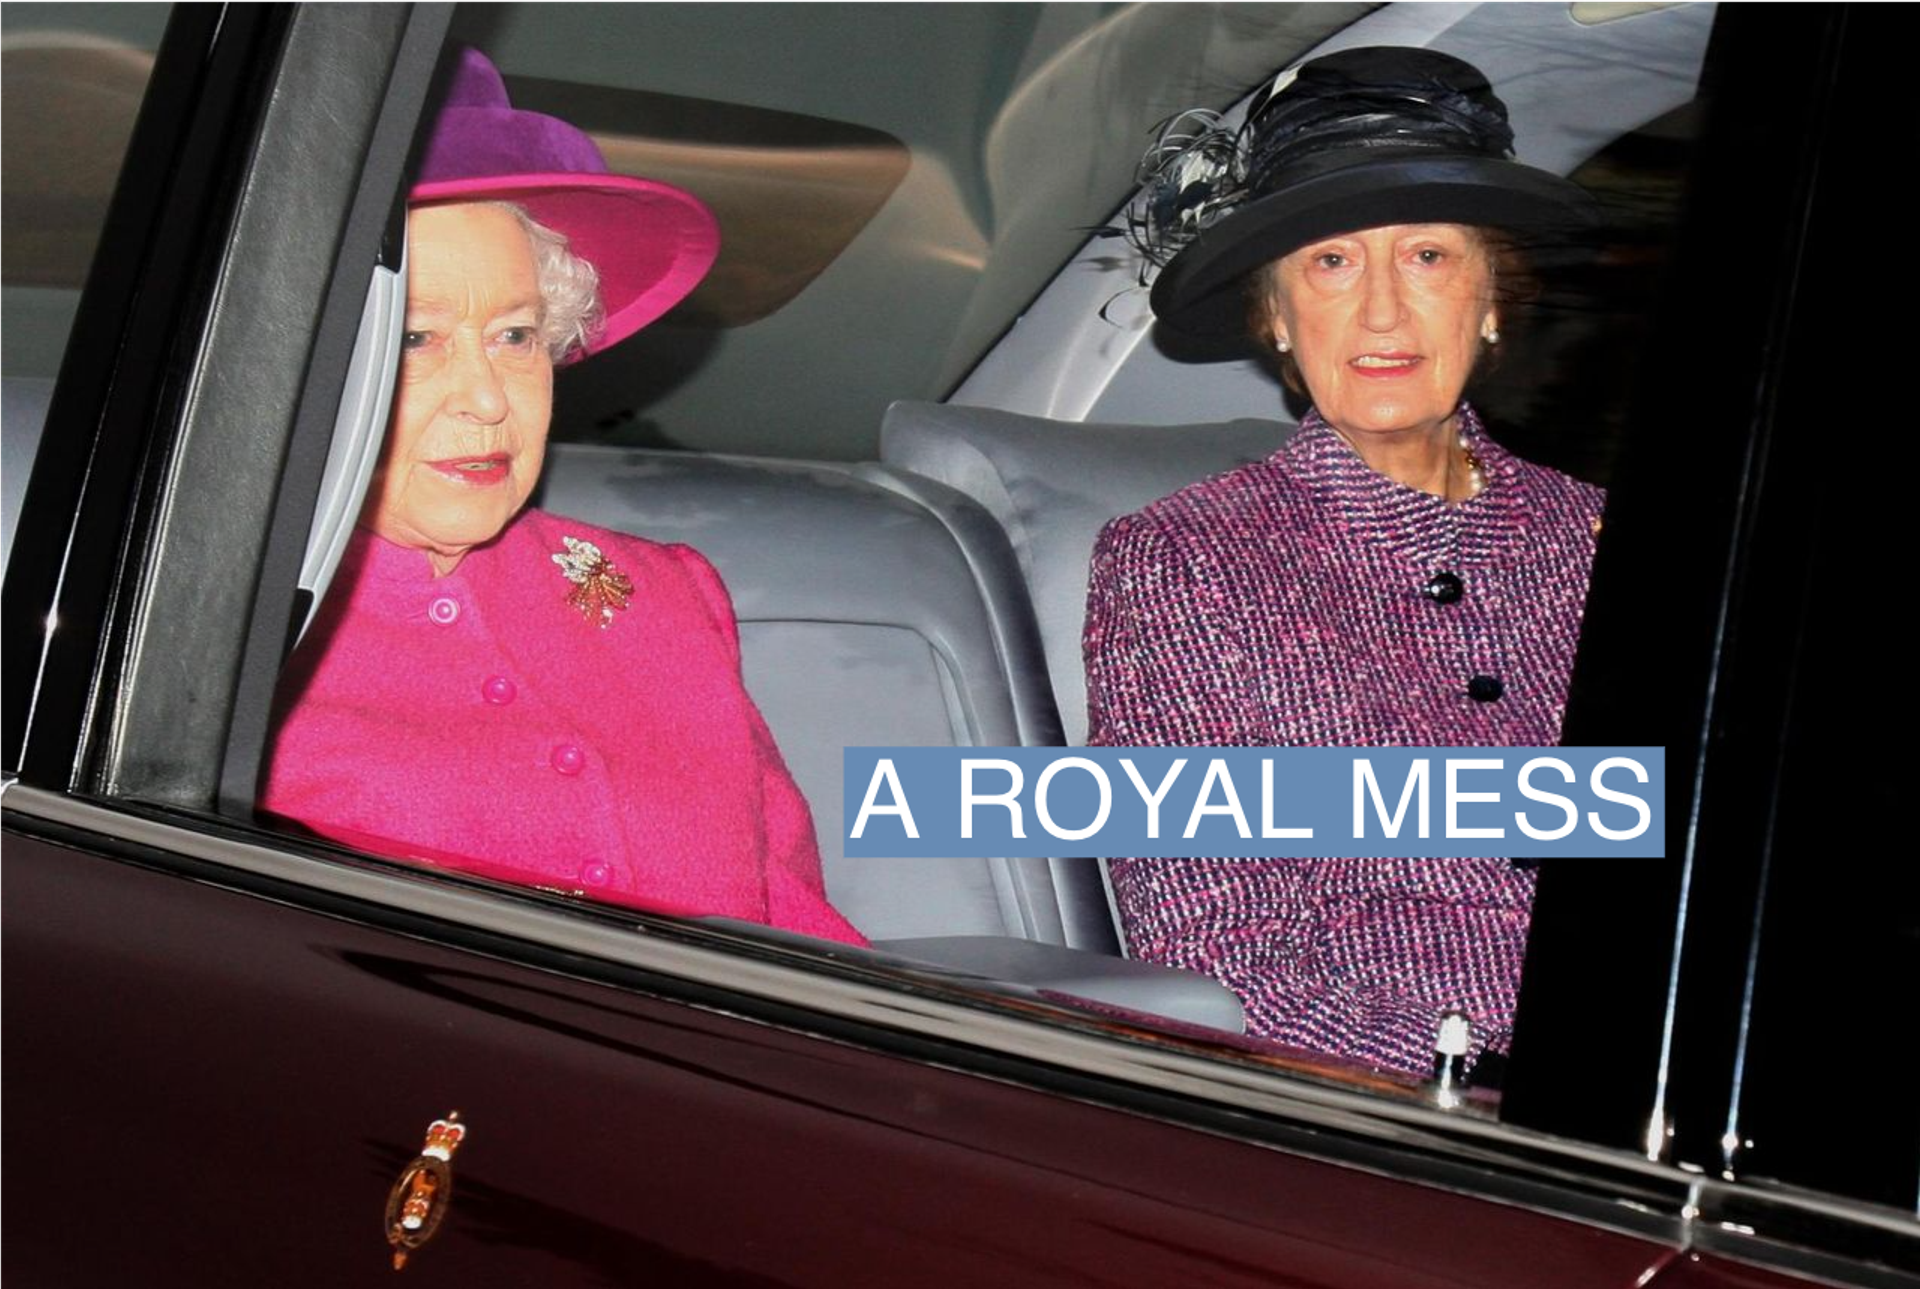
[498, 690]
[444, 610]
[569, 759]
[596, 874]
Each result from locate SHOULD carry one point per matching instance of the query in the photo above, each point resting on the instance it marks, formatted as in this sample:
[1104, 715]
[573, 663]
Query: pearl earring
[1283, 345]
[1491, 335]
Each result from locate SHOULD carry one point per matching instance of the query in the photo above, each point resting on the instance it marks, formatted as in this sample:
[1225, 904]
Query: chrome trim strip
[1805, 1232]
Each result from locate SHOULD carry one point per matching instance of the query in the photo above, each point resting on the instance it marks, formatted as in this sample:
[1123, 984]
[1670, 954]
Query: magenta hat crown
[479, 134]
[650, 242]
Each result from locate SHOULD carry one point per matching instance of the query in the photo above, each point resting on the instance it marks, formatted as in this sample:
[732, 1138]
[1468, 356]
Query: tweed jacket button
[499, 691]
[445, 610]
[595, 874]
[568, 758]
[1485, 689]
[1443, 588]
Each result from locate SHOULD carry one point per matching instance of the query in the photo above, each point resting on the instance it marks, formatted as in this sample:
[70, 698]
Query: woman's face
[475, 392]
[1386, 323]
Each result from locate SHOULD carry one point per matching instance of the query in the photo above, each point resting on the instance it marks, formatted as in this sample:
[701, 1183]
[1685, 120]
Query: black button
[1485, 689]
[1443, 588]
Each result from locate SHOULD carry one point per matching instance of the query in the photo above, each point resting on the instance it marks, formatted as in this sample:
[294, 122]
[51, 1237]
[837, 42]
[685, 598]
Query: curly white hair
[569, 289]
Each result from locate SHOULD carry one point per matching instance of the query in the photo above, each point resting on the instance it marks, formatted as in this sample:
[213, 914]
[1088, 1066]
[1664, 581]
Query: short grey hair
[569, 289]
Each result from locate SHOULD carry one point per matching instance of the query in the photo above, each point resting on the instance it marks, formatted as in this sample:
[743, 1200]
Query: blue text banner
[1251, 802]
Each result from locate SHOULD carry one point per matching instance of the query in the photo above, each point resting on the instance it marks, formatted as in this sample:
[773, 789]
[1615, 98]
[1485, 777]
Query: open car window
[910, 201]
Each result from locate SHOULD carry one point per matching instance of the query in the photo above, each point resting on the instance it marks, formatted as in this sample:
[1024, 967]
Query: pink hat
[650, 242]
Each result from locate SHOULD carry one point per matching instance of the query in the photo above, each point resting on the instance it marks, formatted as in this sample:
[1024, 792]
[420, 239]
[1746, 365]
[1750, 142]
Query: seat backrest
[863, 622]
[1052, 486]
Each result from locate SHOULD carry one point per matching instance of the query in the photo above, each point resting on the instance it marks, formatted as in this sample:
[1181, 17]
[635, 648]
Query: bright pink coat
[480, 721]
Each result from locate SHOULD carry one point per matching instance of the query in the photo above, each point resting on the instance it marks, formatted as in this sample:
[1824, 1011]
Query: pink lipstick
[480, 471]
[1384, 366]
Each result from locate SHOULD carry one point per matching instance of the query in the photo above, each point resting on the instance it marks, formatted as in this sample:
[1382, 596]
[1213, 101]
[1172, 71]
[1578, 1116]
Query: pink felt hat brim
[651, 243]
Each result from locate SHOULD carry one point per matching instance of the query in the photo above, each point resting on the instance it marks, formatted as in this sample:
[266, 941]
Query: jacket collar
[1484, 529]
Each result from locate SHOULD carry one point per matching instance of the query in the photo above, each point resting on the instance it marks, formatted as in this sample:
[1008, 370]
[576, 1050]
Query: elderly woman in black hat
[1389, 577]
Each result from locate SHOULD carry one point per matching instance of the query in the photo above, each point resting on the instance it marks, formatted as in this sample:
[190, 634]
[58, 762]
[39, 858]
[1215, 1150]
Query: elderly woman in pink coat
[507, 692]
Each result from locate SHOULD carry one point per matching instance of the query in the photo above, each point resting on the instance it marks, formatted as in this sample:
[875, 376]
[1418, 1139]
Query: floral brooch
[599, 587]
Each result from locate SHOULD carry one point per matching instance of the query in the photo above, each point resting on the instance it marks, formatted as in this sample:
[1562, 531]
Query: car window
[913, 204]
[990, 104]
[791, 541]
[926, 658]
[74, 76]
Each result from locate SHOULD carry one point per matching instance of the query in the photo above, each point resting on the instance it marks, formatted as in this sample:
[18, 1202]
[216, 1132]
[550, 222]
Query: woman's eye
[1430, 255]
[413, 339]
[517, 337]
[1330, 260]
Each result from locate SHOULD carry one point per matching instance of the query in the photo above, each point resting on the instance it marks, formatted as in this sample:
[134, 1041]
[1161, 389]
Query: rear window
[74, 77]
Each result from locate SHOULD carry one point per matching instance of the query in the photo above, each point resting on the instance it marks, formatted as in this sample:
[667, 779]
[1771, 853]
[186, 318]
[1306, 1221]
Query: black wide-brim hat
[1355, 140]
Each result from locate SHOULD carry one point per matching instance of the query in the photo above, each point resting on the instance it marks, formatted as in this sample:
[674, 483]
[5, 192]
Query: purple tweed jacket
[1293, 602]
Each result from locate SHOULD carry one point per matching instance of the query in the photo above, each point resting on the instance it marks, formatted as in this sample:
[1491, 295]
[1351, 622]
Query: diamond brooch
[599, 587]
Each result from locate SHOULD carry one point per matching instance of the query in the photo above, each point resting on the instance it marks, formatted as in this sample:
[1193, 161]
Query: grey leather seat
[1051, 486]
[861, 624]
[881, 609]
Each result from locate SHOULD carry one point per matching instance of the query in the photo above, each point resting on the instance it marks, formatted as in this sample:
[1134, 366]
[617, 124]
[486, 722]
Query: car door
[225, 1044]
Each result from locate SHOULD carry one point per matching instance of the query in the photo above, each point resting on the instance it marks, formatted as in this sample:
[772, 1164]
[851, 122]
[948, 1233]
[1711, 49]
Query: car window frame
[68, 572]
[1707, 546]
[1669, 490]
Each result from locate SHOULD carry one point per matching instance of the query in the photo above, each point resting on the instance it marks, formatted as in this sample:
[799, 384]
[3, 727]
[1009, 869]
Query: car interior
[904, 513]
